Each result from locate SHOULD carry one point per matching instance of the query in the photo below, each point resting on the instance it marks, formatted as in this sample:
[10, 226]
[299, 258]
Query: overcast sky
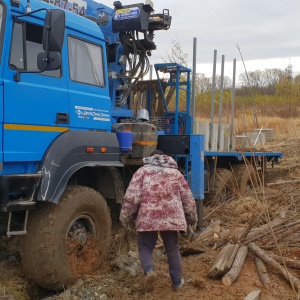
[267, 32]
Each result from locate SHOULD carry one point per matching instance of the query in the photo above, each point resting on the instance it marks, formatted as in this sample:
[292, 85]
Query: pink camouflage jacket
[158, 197]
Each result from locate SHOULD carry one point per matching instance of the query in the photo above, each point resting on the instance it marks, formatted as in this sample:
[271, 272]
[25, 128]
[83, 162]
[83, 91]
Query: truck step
[20, 231]
[17, 191]
[20, 205]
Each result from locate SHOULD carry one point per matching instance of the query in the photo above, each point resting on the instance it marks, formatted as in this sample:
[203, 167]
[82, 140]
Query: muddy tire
[66, 240]
[224, 187]
[245, 176]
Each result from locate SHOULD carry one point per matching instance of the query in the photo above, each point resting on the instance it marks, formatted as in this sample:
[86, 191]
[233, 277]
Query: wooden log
[219, 260]
[271, 262]
[290, 263]
[262, 271]
[220, 243]
[228, 259]
[282, 235]
[225, 237]
[255, 295]
[248, 228]
[259, 230]
[277, 229]
[237, 265]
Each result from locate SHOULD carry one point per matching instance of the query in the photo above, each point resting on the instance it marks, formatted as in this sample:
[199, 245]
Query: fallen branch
[270, 261]
[283, 234]
[237, 265]
[290, 263]
[230, 238]
[259, 230]
[283, 182]
[248, 228]
[278, 229]
[262, 271]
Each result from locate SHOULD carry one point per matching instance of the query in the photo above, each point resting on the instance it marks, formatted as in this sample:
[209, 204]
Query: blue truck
[77, 120]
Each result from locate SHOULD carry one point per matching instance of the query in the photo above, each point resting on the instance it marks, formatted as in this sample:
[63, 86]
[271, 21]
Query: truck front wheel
[66, 240]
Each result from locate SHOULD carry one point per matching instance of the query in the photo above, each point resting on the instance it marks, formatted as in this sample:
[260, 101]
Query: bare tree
[263, 82]
[177, 55]
[203, 83]
[227, 82]
[272, 78]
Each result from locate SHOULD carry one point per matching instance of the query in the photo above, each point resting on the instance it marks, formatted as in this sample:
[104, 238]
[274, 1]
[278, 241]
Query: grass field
[251, 112]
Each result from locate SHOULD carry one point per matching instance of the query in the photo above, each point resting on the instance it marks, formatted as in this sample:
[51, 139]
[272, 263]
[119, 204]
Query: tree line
[271, 82]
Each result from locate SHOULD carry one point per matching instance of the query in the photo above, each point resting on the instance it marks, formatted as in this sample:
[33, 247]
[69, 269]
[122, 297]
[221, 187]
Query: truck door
[35, 108]
[90, 105]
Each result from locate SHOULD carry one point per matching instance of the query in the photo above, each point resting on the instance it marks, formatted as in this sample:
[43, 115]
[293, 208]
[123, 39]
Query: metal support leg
[199, 205]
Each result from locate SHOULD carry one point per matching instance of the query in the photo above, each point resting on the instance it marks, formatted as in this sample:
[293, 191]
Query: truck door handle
[62, 118]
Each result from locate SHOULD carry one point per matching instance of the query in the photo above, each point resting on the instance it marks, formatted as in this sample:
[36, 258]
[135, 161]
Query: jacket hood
[164, 161]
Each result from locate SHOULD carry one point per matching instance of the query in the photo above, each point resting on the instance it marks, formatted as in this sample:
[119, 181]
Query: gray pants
[147, 241]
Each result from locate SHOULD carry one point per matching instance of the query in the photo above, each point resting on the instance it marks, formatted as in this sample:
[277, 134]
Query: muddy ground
[121, 277]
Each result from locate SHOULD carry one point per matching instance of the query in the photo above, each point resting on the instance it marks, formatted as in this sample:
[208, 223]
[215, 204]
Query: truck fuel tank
[141, 135]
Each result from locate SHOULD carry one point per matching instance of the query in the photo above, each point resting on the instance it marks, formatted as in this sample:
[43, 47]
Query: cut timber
[290, 263]
[271, 262]
[237, 265]
[255, 295]
[219, 260]
[262, 271]
[263, 228]
[227, 261]
[278, 229]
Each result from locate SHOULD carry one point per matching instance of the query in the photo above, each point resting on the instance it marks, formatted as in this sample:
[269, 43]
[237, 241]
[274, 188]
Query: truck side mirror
[54, 30]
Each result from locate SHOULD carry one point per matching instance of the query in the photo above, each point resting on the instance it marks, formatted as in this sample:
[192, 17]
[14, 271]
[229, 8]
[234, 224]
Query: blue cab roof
[73, 21]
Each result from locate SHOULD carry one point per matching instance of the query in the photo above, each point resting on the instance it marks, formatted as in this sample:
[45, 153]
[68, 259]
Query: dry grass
[267, 203]
[284, 128]
[11, 281]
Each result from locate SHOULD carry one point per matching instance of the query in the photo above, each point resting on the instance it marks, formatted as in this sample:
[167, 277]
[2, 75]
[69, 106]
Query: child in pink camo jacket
[158, 199]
